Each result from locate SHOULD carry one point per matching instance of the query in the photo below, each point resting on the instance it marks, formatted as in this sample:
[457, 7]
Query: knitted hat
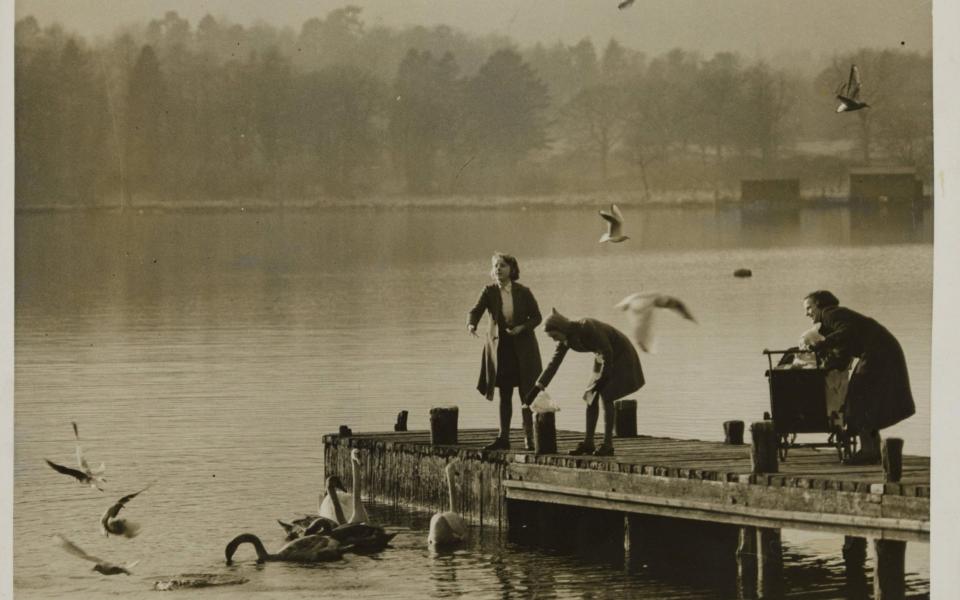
[557, 322]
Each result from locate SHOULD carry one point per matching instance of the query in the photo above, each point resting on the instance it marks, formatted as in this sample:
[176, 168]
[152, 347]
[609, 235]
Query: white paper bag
[544, 403]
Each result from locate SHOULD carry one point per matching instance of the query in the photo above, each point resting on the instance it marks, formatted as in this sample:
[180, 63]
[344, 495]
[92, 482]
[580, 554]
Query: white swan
[357, 513]
[447, 527]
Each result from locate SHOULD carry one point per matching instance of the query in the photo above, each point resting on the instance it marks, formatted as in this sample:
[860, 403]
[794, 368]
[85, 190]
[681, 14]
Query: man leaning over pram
[878, 394]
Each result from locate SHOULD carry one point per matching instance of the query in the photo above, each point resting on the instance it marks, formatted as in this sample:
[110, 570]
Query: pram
[808, 395]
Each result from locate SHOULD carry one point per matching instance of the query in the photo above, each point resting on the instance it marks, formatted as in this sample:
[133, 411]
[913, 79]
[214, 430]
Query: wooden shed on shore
[894, 184]
[770, 193]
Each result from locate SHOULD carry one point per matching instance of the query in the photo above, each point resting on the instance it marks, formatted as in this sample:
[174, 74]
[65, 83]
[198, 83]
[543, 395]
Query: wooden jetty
[652, 481]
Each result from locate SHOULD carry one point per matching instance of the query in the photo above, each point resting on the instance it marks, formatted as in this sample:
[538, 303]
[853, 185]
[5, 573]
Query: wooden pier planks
[402, 468]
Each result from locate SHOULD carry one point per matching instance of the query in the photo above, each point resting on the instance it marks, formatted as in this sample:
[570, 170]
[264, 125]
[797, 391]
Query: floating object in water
[743, 273]
[197, 580]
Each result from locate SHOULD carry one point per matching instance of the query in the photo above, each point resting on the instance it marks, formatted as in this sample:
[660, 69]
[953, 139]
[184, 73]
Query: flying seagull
[614, 220]
[102, 566]
[81, 476]
[640, 308]
[849, 93]
[110, 524]
[624, 4]
[82, 462]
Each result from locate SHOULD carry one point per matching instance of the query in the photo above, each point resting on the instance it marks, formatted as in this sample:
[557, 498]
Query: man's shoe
[859, 458]
[604, 450]
[498, 444]
[582, 448]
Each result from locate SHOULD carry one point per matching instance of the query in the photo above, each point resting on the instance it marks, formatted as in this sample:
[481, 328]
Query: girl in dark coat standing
[616, 372]
[511, 356]
[878, 394]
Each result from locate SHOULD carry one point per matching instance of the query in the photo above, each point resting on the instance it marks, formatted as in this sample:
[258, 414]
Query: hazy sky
[753, 27]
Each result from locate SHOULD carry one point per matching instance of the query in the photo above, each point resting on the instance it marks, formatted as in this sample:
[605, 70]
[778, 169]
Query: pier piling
[443, 425]
[733, 432]
[763, 450]
[545, 433]
[889, 571]
[625, 419]
[892, 458]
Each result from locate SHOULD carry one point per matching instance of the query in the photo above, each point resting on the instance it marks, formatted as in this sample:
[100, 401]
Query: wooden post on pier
[443, 425]
[892, 458]
[747, 564]
[769, 563]
[625, 421]
[733, 432]
[545, 433]
[763, 450]
[854, 561]
[401, 424]
[888, 574]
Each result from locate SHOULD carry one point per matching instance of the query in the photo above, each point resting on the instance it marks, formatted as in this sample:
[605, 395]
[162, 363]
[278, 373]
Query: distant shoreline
[683, 199]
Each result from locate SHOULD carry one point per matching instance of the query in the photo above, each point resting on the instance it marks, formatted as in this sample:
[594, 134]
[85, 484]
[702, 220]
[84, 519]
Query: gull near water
[101, 566]
[640, 308]
[614, 220]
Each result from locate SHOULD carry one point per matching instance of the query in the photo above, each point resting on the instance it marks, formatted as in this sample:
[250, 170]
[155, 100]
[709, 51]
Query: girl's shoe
[498, 444]
[859, 458]
[582, 448]
[604, 450]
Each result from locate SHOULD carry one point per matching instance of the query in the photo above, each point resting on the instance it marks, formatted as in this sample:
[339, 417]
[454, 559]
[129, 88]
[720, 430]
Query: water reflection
[213, 350]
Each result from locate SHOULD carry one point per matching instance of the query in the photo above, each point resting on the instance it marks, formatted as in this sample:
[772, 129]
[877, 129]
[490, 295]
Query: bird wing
[674, 304]
[616, 212]
[639, 309]
[132, 564]
[76, 434]
[853, 86]
[608, 217]
[75, 549]
[624, 4]
[79, 475]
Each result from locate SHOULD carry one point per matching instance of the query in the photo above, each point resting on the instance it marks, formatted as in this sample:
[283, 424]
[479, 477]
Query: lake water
[208, 352]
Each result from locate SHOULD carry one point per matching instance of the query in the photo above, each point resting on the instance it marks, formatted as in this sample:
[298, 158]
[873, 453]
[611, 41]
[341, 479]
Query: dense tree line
[169, 111]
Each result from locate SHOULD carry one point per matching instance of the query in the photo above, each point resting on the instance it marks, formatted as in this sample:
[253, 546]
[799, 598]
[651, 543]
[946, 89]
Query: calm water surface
[209, 353]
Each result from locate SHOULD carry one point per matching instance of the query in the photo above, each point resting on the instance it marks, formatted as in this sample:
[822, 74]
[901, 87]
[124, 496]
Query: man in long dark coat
[616, 372]
[878, 395]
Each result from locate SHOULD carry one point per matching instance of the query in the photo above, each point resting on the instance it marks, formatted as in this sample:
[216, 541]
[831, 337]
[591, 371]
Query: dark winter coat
[616, 369]
[879, 394]
[526, 313]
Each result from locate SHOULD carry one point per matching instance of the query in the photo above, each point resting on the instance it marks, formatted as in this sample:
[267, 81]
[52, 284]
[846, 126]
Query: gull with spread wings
[614, 219]
[849, 93]
[81, 476]
[111, 525]
[640, 308]
[102, 566]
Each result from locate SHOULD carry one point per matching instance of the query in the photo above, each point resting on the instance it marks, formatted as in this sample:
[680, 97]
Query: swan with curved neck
[331, 503]
[308, 549]
[447, 527]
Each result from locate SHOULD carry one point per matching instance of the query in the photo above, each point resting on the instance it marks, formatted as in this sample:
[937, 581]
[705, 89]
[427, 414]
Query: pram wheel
[783, 445]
